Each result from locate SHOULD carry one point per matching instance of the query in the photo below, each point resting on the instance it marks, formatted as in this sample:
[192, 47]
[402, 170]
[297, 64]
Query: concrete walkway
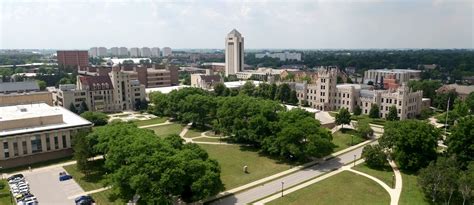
[154, 125]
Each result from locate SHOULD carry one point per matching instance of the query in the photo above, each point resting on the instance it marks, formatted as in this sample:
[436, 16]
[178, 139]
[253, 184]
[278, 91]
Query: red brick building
[73, 58]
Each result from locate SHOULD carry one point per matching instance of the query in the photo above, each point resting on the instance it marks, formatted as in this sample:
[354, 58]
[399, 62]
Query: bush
[364, 128]
[97, 118]
[374, 156]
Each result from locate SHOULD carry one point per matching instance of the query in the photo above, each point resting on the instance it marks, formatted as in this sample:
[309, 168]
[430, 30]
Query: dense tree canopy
[461, 141]
[413, 143]
[343, 117]
[392, 114]
[374, 156]
[98, 118]
[374, 111]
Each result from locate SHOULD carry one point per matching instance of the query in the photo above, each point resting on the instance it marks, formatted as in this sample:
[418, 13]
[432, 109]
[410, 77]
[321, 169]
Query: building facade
[325, 94]
[155, 52]
[134, 52]
[234, 53]
[36, 132]
[282, 56]
[114, 51]
[167, 51]
[123, 51]
[73, 59]
[377, 76]
[114, 92]
[145, 52]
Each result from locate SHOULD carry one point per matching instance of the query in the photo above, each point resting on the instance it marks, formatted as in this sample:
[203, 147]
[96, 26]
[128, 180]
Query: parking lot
[45, 185]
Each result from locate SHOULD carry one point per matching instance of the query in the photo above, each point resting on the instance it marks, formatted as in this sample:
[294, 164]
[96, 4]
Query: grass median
[343, 188]
[166, 130]
[153, 121]
[345, 138]
[385, 174]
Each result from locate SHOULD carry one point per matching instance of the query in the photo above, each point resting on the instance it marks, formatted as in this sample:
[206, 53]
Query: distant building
[114, 51]
[145, 52]
[37, 132]
[93, 52]
[284, 56]
[73, 58]
[102, 51]
[234, 53]
[462, 90]
[116, 61]
[123, 51]
[216, 67]
[401, 75]
[167, 51]
[205, 81]
[156, 76]
[17, 93]
[324, 94]
[261, 74]
[134, 52]
[191, 70]
[155, 52]
[113, 92]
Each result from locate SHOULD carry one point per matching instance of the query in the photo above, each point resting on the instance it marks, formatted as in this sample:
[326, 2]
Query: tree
[343, 117]
[412, 143]
[219, 89]
[374, 111]
[339, 80]
[248, 88]
[374, 156]
[64, 80]
[357, 110]
[364, 129]
[82, 151]
[41, 84]
[392, 114]
[470, 102]
[460, 142]
[198, 109]
[72, 108]
[160, 103]
[466, 183]
[440, 101]
[428, 87]
[425, 113]
[293, 98]
[460, 108]
[83, 107]
[283, 93]
[439, 179]
[97, 118]
[19, 70]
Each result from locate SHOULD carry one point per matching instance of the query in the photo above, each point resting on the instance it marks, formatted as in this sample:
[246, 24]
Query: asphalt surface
[298, 177]
[47, 188]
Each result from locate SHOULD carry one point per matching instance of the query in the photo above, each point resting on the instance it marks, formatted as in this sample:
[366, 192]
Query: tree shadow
[96, 172]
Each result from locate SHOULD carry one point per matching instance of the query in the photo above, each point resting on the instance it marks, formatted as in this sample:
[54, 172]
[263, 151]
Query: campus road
[298, 177]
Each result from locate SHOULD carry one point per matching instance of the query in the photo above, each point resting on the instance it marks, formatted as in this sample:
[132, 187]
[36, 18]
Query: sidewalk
[154, 125]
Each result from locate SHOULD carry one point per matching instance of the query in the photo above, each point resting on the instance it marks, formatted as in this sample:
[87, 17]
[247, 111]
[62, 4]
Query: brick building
[73, 58]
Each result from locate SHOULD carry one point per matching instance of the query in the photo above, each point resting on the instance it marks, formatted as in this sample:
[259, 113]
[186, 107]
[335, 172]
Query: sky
[271, 24]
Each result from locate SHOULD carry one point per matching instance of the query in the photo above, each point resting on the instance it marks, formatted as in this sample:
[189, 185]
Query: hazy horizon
[300, 24]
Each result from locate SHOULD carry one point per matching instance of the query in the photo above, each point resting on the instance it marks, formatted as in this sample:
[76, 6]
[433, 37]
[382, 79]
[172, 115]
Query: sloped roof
[90, 81]
[210, 78]
[235, 33]
[18, 86]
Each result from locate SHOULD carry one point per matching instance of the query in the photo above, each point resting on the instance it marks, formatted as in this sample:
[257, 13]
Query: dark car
[84, 200]
[63, 176]
[16, 176]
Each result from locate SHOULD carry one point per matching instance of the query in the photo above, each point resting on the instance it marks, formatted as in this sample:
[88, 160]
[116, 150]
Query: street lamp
[282, 188]
[393, 180]
[355, 160]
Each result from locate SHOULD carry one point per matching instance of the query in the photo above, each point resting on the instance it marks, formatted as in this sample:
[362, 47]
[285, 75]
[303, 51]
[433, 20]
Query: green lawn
[194, 132]
[385, 174]
[93, 180]
[102, 198]
[232, 159]
[411, 192]
[165, 130]
[5, 195]
[157, 120]
[377, 121]
[343, 188]
[343, 139]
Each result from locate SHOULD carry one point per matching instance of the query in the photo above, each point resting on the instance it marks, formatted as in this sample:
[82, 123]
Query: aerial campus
[232, 116]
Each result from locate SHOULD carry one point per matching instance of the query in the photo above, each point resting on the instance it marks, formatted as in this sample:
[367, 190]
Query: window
[64, 140]
[6, 153]
[25, 149]
[399, 111]
[348, 95]
[56, 142]
[15, 149]
[343, 95]
[48, 143]
[36, 144]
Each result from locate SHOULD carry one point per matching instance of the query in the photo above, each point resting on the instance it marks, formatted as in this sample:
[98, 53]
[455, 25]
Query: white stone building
[134, 52]
[377, 76]
[145, 52]
[234, 53]
[155, 52]
[167, 51]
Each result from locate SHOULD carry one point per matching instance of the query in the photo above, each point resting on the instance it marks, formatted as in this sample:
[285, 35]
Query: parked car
[84, 200]
[63, 176]
[15, 176]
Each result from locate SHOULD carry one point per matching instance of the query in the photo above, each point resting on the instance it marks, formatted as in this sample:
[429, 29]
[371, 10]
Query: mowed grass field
[102, 198]
[153, 121]
[411, 192]
[232, 159]
[343, 139]
[343, 188]
[166, 130]
[384, 174]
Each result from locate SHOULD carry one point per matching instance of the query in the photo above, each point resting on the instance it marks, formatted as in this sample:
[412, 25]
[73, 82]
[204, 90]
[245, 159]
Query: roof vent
[23, 109]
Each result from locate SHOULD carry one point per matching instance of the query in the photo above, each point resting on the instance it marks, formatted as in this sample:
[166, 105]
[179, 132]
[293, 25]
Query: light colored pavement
[154, 125]
[45, 185]
[397, 191]
[296, 178]
[89, 192]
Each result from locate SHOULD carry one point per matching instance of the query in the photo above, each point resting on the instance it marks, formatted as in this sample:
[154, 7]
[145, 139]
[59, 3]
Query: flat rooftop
[396, 70]
[165, 90]
[356, 86]
[238, 84]
[39, 110]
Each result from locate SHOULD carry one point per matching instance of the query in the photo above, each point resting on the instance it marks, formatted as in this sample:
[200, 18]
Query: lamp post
[355, 160]
[282, 188]
[393, 180]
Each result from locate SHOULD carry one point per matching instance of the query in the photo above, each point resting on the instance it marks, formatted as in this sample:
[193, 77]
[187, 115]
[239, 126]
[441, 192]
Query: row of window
[36, 145]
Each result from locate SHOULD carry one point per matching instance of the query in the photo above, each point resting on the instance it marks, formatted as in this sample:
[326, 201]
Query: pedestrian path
[154, 125]
[89, 192]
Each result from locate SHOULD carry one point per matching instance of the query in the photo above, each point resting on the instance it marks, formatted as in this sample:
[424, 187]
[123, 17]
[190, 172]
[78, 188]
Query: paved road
[293, 179]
